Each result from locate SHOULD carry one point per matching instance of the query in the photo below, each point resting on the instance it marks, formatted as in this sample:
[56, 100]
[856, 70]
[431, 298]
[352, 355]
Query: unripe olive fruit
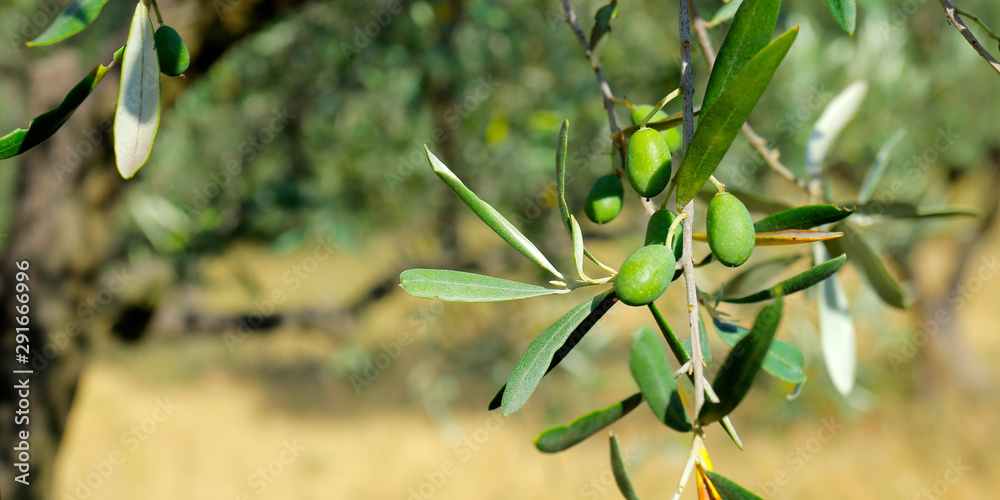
[672, 135]
[604, 201]
[645, 275]
[171, 51]
[730, 230]
[648, 162]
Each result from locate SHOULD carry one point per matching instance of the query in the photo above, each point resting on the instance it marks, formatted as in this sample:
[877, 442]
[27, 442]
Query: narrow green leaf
[458, 286]
[562, 145]
[728, 489]
[651, 370]
[796, 283]
[560, 438]
[546, 351]
[879, 167]
[719, 125]
[903, 210]
[783, 360]
[741, 367]
[490, 216]
[869, 265]
[602, 25]
[837, 114]
[806, 217]
[578, 249]
[750, 32]
[72, 20]
[845, 12]
[138, 115]
[836, 331]
[46, 124]
[749, 279]
[725, 13]
[621, 471]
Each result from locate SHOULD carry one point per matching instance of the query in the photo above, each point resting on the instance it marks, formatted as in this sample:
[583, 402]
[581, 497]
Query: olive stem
[687, 257]
[156, 9]
[696, 445]
[975, 18]
[718, 185]
[953, 17]
[656, 109]
[673, 228]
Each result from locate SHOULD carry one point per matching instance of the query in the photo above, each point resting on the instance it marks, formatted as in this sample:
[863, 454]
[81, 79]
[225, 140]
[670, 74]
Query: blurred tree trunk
[63, 226]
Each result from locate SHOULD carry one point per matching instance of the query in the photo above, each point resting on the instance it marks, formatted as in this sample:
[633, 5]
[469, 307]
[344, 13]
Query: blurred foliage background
[261, 245]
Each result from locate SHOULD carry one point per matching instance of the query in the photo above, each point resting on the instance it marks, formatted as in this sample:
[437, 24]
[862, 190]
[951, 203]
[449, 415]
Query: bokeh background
[228, 325]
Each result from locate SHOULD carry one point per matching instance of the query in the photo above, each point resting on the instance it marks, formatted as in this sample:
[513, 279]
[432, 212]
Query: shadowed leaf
[560, 438]
[783, 360]
[72, 20]
[806, 217]
[651, 370]
[729, 490]
[869, 264]
[796, 283]
[620, 471]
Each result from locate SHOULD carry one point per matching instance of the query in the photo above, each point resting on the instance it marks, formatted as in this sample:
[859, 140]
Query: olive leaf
[837, 114]
[72, 20]
[869, 265]
[46, 124]
[490, 216]
[903, 210]
[783, 360]
[562, 144]
[458, 286]
[805, 217]
[578, 249]
[602, 26]
[560, 438]
[749, 278]
[836, 331]
[547, 350]
[750, 32]
[786, 237]
[725, 13]
[729, 490]
[796, 283]
[742, 365]
[651, 371]
[138, 114]
[620, 471]
[845, 12]
[879, 167]
[718, 126]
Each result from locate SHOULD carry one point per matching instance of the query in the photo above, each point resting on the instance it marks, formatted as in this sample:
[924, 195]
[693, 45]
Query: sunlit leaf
[806, 217]
[621, 471]
[742, 365]
[560, 438]
[458, 286]
[602, 26]
[836, 331]
[72, 20]
[137, 117]
[651, 371]
[490, 216]
[838, 113]
[787, 237]
[845, 12]
[729, 490]
[750, 32]
[794, 284]
[718, 126]
[46, 124]
[578, 249]
[548, 349]
[869, 265]
[783, 360]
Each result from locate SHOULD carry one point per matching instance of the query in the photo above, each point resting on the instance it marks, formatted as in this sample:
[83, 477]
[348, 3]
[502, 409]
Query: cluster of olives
[645, 275]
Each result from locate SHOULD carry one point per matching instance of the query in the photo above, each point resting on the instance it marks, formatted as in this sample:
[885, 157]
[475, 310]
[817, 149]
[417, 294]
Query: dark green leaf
[783, 360]
[72, 20]
[869, 264]
[46, 124]
[717, 127]
[548, 350]
[602, 24]
[621, 471]
[903, 210]
[749, 279]
[749, 34]
[806, 217]
[741, 367]
[845, 12]
[458, 286]
[796, 283]
[559, 438]
[651, 370]
[728, 489]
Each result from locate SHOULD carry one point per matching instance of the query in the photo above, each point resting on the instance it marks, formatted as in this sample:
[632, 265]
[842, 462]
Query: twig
[964, 13]
[769, 155]
[953, 17]
[687, 90]
[608, 96]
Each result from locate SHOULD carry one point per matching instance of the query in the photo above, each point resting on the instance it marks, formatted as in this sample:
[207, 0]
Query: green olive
[645, 275]
[672, 135]
[730, 230]
[648, 162]
[171, 51]
[604, 201]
